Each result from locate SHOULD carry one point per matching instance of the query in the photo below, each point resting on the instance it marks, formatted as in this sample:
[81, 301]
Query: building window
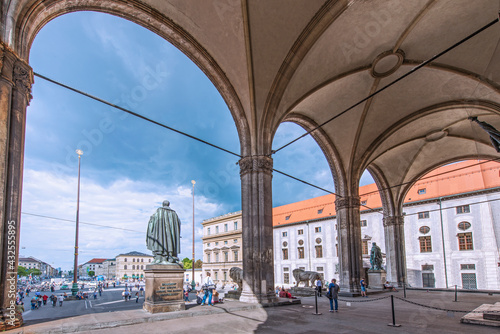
[465, 241]
[286, 269]
[318, 240]
[467, 267]
[284, 234]
[216, 275]
[320, 211]
[226, 256]
[216, 243]
[208, 231]
[427, 267]
[425, 244]
[463, 226]
[364, 244]
[319, 268]
[235, 241]
[216, 257]
[216, 229]
[208, 258]
[463, 209]
[288, 217]
[225, 242]
[125, 267]
[317, 229]
[150, 260]
[142, 267]
[319, 251]
[469, 281]
[125, 260]
[421, 191]
[423, 215]
[133, 260]
[424, 229]
[337, 249]
[286, 278]
[235, 255]
[300, 232]
[363, 202]
[301, 242]
[285, 253]
[225, 227]
[285, 244]
[208, 245]
[428, 280]
[235, 225]
[363, 223]
[133, 267]
[301, 252]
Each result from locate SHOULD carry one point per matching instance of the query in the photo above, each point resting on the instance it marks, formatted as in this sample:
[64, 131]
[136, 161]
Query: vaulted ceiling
[308, 61]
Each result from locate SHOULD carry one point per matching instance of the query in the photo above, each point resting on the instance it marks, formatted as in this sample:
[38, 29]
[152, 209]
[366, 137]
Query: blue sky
[130, 166]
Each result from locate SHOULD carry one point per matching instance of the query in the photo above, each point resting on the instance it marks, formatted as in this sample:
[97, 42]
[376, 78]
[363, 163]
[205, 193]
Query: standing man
[363, 287]
[334, 294]
[208, 287]
[319, 286]
[60, 299]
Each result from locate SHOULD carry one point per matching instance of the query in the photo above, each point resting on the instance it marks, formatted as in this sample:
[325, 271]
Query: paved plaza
[356, 315]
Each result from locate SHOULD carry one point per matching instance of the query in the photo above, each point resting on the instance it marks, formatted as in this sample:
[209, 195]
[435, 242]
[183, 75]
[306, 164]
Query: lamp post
[193, 284]
[74, 288]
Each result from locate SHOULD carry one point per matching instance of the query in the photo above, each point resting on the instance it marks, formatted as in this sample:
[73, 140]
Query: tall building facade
[451, 231]
[131, 265]
[222, 246]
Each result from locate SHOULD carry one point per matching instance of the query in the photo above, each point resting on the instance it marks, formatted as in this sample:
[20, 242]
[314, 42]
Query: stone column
[257, 229]
[16, 78]
[395, 249]
[349, 244]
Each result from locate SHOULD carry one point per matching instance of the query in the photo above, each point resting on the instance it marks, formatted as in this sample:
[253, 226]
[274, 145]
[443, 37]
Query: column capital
[393, 220]
[347, 202]
[23, 79]
[256, 163]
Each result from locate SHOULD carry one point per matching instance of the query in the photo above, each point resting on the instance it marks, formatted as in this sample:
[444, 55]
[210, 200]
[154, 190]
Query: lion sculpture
[236, 275]
[301, 275]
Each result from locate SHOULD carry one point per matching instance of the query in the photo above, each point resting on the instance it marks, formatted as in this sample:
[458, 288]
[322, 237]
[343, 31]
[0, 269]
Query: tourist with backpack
[333, 294]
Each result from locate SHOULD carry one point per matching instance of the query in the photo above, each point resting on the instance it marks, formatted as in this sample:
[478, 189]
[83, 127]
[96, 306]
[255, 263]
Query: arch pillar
[257, 229]
[350, 252]
[16, 78]
[395, 249]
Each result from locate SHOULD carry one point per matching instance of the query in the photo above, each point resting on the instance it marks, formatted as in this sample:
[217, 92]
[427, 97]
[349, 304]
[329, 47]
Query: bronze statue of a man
[163, 237]
[376, 258]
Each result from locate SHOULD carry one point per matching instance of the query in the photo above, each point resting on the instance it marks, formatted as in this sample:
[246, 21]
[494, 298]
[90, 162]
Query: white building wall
[483, 217]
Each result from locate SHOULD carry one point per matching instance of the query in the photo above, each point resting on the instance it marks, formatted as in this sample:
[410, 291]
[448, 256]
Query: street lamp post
[193, 284]
[74, 288]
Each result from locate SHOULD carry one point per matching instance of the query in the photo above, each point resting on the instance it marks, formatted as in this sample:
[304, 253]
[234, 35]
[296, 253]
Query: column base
[251, 298]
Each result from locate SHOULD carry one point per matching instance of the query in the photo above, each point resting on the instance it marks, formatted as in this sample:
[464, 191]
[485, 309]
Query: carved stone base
[233, 294]
[302, 291]
[377, 278]
[164, 284]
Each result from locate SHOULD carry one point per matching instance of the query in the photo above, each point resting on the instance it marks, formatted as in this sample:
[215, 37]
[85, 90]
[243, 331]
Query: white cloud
[123, 204]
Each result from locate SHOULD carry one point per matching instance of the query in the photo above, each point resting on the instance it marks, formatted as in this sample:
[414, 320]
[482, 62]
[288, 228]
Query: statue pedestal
[233, 295]
[164, 285]
[376, 279]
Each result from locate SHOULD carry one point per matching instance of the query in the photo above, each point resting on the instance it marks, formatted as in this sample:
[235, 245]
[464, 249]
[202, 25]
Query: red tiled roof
[435, 183]
[97, 261]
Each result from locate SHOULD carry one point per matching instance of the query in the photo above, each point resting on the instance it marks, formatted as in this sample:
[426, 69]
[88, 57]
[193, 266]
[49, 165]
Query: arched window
[133, 267]
[463, 226]
[125, 260]
[424, 229]
[125, 267]
[133, 260]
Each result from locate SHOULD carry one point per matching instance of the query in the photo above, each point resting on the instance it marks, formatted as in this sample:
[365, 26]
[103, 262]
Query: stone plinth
[302, 291]
[164, 284]
[233, 294]
[377, 278]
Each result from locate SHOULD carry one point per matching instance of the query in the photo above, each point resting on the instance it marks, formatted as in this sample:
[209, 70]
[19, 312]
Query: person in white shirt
[208, 287]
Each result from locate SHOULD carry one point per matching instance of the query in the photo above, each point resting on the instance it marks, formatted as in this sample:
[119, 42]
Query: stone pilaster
[258, 262]
[349, 243]
[395, 249]
[16, 78]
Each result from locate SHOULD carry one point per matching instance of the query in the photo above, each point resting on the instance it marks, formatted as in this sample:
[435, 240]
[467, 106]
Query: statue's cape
[164, 232]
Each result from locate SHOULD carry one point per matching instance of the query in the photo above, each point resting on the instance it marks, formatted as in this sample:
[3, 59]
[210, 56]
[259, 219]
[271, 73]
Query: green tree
[91, 273]
[187, 263]
[34, 272]
[198, 264]
[22, 271]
